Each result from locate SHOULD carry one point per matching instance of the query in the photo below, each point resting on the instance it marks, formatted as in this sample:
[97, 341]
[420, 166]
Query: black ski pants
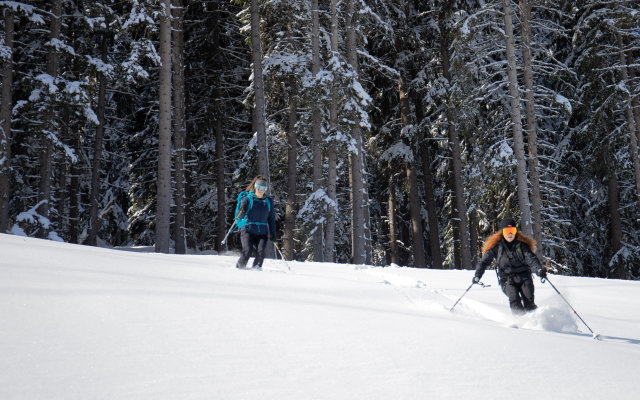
[249, 243]
[519, 289]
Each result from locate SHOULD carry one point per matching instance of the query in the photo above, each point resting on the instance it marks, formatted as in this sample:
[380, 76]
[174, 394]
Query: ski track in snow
[422, 297]
[554, 318]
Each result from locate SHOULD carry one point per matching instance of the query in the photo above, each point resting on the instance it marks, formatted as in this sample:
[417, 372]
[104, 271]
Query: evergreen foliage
[447, 57]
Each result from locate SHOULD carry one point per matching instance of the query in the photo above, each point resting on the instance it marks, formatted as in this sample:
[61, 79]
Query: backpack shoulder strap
[250, 201]
[519, 252]
[241, 196]
[268, 201]
[499, 257]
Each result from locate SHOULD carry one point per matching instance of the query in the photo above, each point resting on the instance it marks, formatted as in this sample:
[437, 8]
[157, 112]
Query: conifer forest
[390, 131]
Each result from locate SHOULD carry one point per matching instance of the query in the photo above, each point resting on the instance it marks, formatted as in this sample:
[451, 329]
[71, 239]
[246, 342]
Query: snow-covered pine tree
[259, 108]
[217, 63]
[102, 21]
[52, 108]
[405, 67]
[293, 95]
[139, 107]
[50, 129]
[6, 104]
[332, 148]
[316, 133]
[531, 129]
[602, 112]
[452, 114]
[356, 164]
[348, 112]
[516, 121]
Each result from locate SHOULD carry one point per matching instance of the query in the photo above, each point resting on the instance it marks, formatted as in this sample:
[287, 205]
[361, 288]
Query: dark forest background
[391, 131]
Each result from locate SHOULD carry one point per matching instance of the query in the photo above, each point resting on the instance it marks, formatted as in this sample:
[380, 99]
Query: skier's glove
[272, 237]
[542, 273]
[475, 280]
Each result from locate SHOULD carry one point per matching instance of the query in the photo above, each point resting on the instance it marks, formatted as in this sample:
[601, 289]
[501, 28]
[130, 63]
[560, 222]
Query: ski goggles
[509, 230]
[261, 188]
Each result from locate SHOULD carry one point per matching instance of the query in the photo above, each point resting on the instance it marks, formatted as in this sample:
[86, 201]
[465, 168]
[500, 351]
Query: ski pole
[465, 292]
[595, 336]
[281, 255]
[457, 301]
[224, 241]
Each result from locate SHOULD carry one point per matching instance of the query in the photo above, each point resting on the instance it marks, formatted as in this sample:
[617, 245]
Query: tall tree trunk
[316, 133]
[473, 236]
[6, 104]
[393, 233]
[631, 123]
[189, 192]
[416, 221]
[46, 159]
[615, 227]
[403, 236]
[459, 205]
[259, 117]
[164, 134]
[415, 206]
[532, 134]
[44, 188]
[356, 158]
[516, 122]
[74, 194]
[332, 173]
[330, 229]
[220, 179]
[74, 204]
[366, 213]
[96, 169]
[218, 126]
[59, 188]
[292, 172]
[455, 226]
[179, 128]
[430, 198]
[67, 195]
[635, 104]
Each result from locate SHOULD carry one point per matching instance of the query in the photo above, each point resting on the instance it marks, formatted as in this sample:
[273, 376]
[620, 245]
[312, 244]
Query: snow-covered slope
[78, 322]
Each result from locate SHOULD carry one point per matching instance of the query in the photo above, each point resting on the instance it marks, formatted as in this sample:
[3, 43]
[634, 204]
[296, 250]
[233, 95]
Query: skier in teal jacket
[256, 221]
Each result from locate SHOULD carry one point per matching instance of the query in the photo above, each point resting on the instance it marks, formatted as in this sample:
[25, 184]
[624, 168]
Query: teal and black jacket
[258, 216]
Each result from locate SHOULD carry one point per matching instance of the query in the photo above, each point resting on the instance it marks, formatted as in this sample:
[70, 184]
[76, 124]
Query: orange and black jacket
[512, 258]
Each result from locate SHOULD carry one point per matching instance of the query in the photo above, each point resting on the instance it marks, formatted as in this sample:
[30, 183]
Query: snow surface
[80, 322]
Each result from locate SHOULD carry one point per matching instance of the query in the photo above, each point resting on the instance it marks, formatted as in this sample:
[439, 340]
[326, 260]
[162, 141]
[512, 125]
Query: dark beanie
[507, 222]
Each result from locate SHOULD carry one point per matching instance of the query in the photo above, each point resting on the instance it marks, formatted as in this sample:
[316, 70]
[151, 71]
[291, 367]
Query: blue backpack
[245, 220]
